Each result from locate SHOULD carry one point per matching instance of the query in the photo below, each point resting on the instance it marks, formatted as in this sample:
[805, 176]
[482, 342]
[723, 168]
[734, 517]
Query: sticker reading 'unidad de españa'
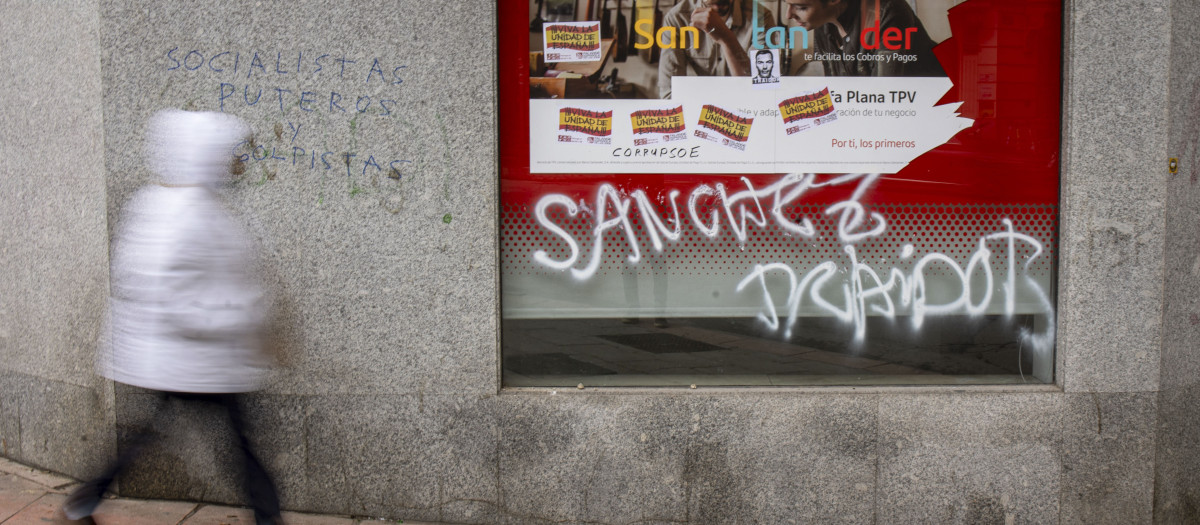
[571, 41]
[805, 107]
[736, 129]
[651, 126]
[581, 125]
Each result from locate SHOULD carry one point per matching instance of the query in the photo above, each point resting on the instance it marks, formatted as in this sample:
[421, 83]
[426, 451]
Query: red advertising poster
[873, 163]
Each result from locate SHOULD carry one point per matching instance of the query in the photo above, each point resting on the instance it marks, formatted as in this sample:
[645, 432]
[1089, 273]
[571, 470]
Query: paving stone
[769, 346]
[835, 358]
[40, 512]
[49, 480]
[218, 515]
[142, 512]
[24, 502]
[898, 370]
[16, 494]
[715, 337]
[296, 518]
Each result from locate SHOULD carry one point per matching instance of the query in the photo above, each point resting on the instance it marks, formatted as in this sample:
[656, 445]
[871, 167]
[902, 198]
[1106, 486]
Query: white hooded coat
[187, 310]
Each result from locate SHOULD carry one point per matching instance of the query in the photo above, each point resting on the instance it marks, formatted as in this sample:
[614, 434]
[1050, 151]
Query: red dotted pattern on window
[952, 230]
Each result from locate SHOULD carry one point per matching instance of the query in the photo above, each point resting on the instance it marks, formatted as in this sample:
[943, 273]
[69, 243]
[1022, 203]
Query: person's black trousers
[259, 488]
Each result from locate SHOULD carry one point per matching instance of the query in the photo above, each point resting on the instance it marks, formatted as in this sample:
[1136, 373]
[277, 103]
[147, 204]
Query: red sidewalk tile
[110, 512]
[295, 518]
[141, 512]
[16, 494]
[40, 512]
[26, 502]
[46, 479]
[217, 515]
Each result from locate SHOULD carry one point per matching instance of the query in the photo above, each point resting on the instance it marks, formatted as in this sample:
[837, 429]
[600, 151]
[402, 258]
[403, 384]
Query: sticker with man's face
[764, 68]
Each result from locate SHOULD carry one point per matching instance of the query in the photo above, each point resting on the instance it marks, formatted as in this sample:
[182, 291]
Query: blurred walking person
[187, 311]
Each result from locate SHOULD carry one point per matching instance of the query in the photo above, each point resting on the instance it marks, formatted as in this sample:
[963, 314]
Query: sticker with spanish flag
[571, 41]
[652, 126]
[584, 126]
[807, 111]
[727, 128]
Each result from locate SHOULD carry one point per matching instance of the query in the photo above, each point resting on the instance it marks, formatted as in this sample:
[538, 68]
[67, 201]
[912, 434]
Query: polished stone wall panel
[53, 242]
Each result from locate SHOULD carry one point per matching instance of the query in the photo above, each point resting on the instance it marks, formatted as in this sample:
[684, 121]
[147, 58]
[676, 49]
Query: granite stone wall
[371, 184]
[54, 412]
[1177, 459]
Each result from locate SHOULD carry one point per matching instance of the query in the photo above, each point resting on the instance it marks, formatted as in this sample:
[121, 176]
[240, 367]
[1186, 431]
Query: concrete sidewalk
[31, 496]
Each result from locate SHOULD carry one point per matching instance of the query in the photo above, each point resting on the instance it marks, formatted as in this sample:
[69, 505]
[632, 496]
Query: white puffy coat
[187, 309]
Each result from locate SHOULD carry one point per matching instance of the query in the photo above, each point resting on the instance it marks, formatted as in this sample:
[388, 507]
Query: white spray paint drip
[740, 210]
[708, 231]
[605, 195]
[739, 226]
[540, 256]
[655, 226]
[796, 185]
[853, 214]
[861, 288]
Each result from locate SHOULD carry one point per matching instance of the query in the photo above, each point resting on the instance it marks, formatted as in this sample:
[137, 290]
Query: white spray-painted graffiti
[865, 290]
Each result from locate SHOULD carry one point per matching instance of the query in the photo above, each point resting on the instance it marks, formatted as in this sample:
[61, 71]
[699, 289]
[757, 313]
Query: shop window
[875, 209]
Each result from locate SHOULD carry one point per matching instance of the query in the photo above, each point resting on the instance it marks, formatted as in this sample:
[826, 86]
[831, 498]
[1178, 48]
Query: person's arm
[898, 15]
[672, 62]
[712, 24]
[765, 17]
[892, 67]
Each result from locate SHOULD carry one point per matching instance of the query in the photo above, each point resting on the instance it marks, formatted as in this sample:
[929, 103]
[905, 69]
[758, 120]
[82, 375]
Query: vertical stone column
[1177, 443]
[54, 412]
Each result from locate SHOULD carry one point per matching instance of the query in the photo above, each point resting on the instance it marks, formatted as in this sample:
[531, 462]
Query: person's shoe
[61, 517]
[80, 505]
[661, 322]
